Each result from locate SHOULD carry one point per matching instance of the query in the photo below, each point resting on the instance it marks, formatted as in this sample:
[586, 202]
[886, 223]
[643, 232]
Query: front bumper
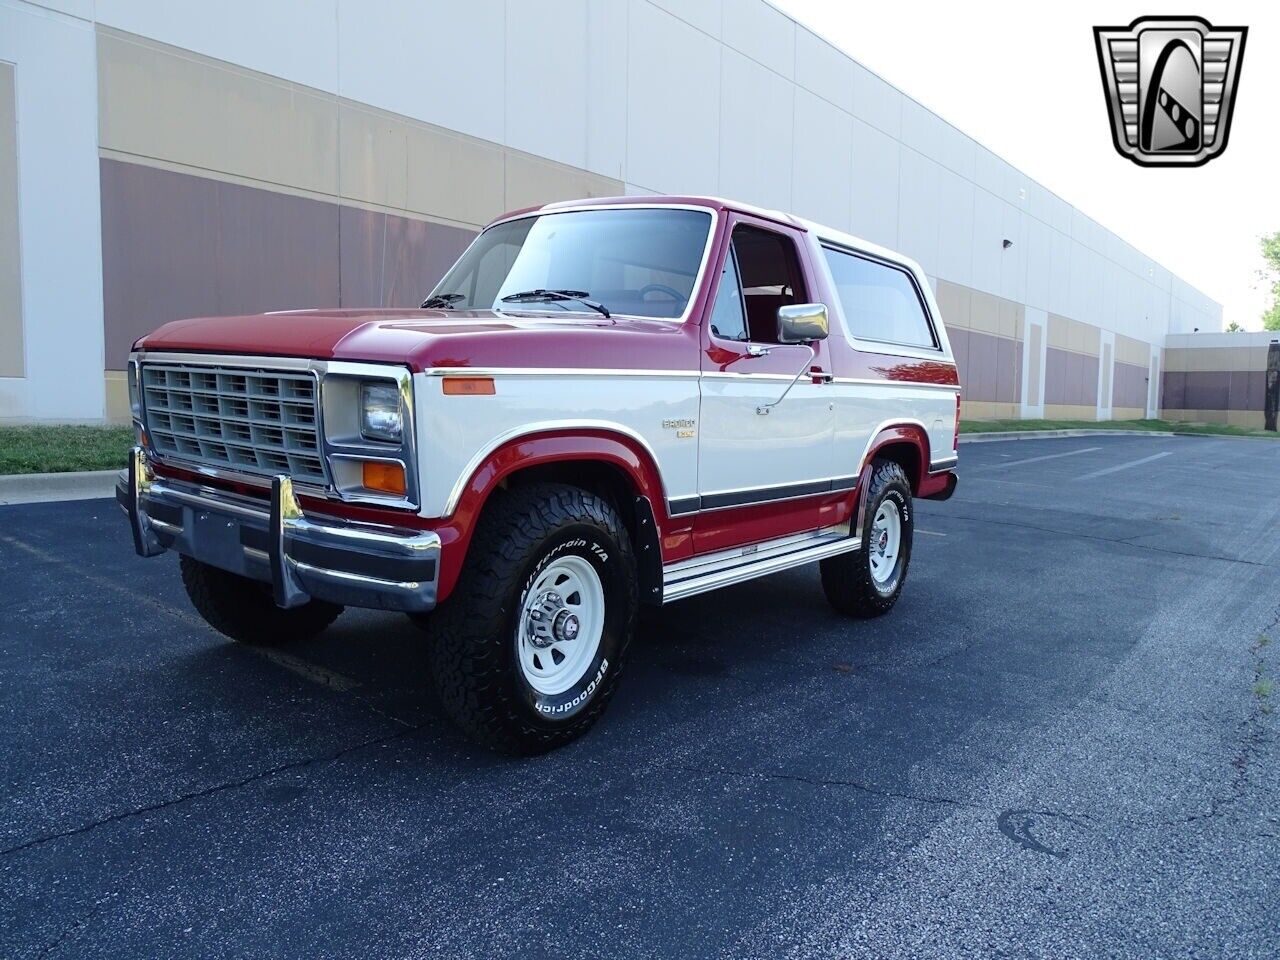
[354, 564]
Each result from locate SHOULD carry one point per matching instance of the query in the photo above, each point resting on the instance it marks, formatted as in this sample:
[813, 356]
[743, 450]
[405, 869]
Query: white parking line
[930, 533]
[1125, 466]
[1047, 456]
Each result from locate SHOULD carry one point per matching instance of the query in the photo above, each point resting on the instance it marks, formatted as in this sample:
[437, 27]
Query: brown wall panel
[1008, 363]
[990, 366]
[392, 261]
[1130, 385]
[1070, 378]
[1207, 390]
[176, 245]
[1224, 390]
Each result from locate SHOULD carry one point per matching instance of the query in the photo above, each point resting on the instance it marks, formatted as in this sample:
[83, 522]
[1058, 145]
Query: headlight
[380, 414]
[135, 393]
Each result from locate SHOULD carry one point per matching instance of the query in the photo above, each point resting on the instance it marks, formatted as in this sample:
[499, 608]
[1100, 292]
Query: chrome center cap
[566, 626]
[542, 623]
[884, 540]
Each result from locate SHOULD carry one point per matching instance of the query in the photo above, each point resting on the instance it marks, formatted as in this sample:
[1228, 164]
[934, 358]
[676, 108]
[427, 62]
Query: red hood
[423, 339]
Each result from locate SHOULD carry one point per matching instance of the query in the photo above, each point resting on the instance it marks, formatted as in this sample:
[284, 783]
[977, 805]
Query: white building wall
[55, 79]
[727, 97]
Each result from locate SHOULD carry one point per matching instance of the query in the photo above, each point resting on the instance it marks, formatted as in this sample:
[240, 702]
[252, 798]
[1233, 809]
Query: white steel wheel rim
[561, 623]
[886, 542]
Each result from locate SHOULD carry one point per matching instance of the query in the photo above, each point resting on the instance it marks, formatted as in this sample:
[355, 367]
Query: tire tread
[468, 630]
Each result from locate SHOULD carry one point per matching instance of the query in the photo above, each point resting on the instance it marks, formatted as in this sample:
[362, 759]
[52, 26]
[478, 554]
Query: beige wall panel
[12, 348]
[531, 180]
[954, 302]
[987, 410]
[1069, 411]
[1209, 359]
[1203, 359]
[1129, 350]
[1009, 314]
[454, 177]
[374, 157]
[161, 103]
[1252, 358]
[1175, 360]
[1249, 419]
[1128, 413]
[1090, 339]
[116, 389]
[1059, 332]
[984, 313]
[1196, 416]
[1068, 334]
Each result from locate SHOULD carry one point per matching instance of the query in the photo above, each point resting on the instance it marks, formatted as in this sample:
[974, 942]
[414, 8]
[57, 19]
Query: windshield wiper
[534, 296]
[443, 301]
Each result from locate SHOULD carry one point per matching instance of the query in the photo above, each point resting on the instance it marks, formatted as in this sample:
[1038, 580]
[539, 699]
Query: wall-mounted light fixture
[1007, 243]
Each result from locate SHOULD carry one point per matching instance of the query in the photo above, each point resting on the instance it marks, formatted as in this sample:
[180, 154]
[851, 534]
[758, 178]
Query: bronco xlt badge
[1170, 84]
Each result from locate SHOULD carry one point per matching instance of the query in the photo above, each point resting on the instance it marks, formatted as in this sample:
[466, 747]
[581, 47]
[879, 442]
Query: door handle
[821, 376]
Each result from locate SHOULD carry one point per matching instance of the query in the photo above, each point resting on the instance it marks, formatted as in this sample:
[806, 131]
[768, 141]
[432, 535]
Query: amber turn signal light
[469, 387]
[384, 477]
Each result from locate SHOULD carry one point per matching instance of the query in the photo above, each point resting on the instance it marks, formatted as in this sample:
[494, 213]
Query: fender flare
[614, 448]
[900, 431]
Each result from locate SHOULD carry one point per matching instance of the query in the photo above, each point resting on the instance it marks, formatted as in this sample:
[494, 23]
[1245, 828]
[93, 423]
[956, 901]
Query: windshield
[642, 262]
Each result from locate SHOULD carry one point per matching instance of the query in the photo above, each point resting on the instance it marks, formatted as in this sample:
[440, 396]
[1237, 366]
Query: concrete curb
[1034, 434]
[47, 487]
[1037, 434]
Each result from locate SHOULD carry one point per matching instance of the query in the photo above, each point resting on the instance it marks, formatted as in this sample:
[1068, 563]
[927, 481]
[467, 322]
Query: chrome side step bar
[700, 574]
[691, 577]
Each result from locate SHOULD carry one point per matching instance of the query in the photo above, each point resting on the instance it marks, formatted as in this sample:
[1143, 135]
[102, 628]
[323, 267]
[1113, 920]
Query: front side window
[640, 262]
[880, 302]
[728, 320]
[769, 273]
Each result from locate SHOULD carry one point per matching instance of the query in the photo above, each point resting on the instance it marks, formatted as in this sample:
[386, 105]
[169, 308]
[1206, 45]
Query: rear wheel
[244, 610]
[528, 648]
[867, 582]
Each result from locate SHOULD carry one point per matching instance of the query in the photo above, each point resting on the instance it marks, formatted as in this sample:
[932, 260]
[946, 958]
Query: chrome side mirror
[802, 323]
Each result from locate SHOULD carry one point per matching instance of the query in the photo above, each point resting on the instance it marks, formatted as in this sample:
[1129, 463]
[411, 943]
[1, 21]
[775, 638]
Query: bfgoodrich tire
[867, 582]
[243, 609]
[528, 649]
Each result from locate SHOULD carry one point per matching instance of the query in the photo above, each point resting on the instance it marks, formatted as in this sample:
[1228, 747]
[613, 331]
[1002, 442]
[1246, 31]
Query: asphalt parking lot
[1059, 744]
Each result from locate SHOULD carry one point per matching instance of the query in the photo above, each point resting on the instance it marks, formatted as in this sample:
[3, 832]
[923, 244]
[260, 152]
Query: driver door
[763, 465]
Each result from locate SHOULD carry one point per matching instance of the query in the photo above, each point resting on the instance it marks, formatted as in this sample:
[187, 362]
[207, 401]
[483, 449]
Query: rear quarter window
[880, 302]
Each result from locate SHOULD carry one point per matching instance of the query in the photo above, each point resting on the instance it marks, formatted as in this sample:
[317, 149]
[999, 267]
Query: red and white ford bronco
[603, 404]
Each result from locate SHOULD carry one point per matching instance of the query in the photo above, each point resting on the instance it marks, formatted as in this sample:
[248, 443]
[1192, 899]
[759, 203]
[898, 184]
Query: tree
[1234, 327]
[1270, 273]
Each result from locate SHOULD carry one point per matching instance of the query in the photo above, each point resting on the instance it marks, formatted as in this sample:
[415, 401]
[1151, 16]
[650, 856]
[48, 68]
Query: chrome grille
[251, 420]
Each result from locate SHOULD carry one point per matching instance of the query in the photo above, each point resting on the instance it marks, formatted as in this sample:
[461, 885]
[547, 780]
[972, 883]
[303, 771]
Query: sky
[1022, 79]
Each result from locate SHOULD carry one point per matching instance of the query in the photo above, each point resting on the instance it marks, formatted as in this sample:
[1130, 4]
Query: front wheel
[528, 649]
[867, 582]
